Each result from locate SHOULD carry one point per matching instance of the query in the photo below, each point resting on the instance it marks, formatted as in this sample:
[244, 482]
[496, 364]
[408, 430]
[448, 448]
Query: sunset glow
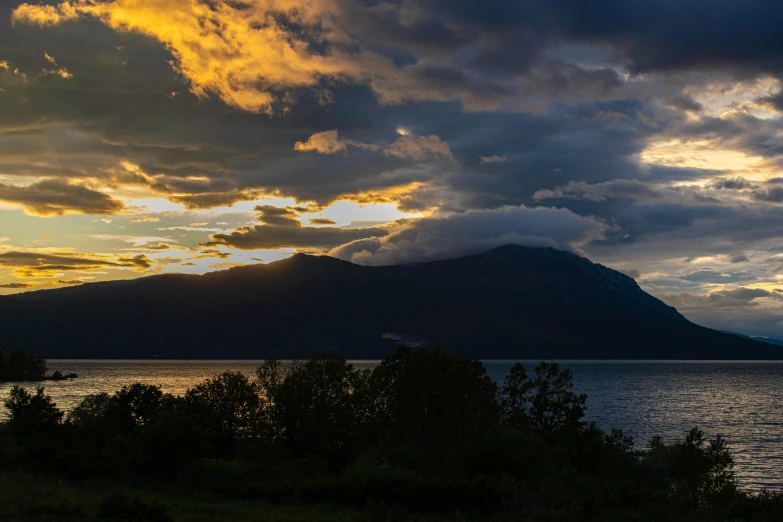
[140, 137]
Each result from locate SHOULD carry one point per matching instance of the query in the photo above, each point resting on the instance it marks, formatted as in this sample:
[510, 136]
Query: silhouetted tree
[139, 402]
[424, 431]
[104, 416]
[545, 403]
[30, 413]
[227, 407]
[430, 399]
[315, 407]
[701, 472]
[19, 366]
[515, 397]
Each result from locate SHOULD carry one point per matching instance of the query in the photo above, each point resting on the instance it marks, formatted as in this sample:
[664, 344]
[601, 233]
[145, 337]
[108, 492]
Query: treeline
[423, 432]
[18, 366]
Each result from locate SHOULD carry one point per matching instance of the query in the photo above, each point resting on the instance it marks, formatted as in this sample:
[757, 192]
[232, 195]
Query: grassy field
[27, 497]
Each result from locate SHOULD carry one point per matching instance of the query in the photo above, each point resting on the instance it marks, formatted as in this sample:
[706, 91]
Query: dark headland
[512, 302]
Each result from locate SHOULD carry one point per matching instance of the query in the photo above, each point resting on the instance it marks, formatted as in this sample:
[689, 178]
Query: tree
[139, 402]
[701, 472]
[227, 407]
[19, 366]
[430, 399]
[515, 397]
[32, 414]
[545, 404]
[315, 407]
[102, 416]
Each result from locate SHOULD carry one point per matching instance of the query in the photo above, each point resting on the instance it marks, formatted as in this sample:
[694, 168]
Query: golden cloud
[384, 196]
[322, 221]
[35, 264]
[242, 53]
[422, 147]
[45, 14]
[214, 199]
[17, 286]
[282, 228]
[248, 55]
[144, 219]
[62, 72]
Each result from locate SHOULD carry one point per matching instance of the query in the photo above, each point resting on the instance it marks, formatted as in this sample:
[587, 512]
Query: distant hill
[510, 303]
[767, 340]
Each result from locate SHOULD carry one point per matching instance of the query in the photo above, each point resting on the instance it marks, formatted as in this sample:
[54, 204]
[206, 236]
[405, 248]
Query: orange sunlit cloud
[244, 55]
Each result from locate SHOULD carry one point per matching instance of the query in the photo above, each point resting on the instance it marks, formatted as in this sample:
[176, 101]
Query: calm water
[741, 400]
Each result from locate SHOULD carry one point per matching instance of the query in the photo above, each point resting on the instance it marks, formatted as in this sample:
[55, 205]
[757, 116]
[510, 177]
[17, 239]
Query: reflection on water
[740, 400]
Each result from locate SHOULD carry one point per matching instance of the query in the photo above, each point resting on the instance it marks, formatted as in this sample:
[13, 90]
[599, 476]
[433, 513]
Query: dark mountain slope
[511, 302]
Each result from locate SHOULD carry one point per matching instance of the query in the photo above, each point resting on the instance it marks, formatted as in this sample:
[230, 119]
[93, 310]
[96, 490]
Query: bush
[120, 506]
[170, 442]
[700, 472]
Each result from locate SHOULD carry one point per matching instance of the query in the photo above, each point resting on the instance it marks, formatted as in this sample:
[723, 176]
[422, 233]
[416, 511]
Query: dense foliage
[423, 432]
[18, 366]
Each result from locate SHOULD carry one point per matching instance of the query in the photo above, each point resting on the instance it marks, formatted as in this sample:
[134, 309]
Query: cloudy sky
[147, 136]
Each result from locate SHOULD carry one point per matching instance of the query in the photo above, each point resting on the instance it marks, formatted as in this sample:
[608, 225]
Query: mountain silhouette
[512, 302]
[768, 340]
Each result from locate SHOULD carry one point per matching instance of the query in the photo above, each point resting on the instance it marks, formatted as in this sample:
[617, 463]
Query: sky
[140, 137]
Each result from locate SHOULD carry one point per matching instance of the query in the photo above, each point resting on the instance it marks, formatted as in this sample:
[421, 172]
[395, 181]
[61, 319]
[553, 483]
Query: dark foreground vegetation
[18, 367]
[423, 436]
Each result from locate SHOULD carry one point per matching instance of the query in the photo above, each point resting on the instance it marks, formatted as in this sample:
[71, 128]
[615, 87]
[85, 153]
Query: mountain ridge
[511, 302]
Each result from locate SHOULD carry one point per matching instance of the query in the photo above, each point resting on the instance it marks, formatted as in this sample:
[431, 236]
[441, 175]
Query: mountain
[510, 303]
[767, 340]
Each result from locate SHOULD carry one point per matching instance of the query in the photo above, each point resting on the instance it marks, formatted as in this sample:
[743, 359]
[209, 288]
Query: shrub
[120, 506]
[168, 443]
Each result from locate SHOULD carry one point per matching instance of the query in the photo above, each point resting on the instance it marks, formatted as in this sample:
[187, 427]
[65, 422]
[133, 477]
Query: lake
[741, 400]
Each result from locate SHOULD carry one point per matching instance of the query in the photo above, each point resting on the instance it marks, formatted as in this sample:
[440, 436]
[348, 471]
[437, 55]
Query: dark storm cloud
[120, 97]
[709, 276]
[739, 257]
[745, 294]
[774, 195]
[736, 183]
[652, 35]
[684, 103]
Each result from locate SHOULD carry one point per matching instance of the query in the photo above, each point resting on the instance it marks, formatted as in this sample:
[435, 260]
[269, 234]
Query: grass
[26, 497]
